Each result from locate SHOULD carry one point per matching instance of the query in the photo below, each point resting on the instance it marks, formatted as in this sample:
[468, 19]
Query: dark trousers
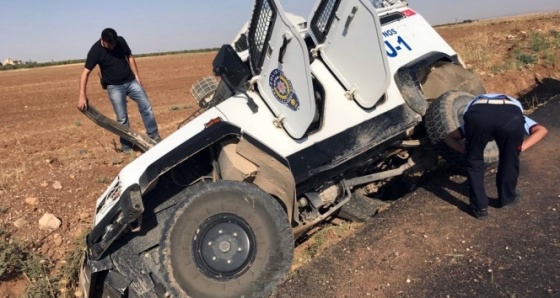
[504, 124]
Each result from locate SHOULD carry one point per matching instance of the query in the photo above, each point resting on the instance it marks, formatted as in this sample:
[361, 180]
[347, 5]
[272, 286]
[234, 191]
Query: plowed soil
[55, 160]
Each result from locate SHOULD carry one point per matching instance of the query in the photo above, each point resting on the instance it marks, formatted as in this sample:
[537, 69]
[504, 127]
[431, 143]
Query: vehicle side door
[349, 41]
[279, 60]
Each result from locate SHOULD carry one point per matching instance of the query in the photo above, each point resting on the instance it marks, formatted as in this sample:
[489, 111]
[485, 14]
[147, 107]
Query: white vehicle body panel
[339, 114]
[354, 51]
[285, 81]
[404, 42]
[132, 172]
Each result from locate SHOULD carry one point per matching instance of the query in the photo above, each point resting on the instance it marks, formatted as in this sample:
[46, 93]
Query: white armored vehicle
[310, 120]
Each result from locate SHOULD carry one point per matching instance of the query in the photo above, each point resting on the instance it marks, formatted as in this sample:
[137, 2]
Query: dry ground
[54, 160]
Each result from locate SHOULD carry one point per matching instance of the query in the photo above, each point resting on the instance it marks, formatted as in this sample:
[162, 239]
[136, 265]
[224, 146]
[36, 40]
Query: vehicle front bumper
[98, 279]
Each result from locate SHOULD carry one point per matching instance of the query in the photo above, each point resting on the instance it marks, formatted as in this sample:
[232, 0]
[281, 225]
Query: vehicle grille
[113, 193]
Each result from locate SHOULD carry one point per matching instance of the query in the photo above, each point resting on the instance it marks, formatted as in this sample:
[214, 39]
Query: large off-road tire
[361, 208]
[443, 116]
[226, 239]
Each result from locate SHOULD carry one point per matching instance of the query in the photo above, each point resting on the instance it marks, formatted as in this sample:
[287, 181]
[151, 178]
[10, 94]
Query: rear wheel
[226, 239]
[444, 115]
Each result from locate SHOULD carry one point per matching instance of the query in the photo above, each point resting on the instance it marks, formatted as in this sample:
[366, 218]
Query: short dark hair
[109, 35]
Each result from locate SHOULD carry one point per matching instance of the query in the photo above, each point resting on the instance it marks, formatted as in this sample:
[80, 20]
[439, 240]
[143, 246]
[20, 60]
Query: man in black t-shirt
[120, 77]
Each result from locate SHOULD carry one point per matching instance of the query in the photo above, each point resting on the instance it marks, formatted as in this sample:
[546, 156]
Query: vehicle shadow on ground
[451, 185]
[445, 183]
[541, 92]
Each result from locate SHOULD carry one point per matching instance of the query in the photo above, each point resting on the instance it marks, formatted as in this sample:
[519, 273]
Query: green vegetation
[11, 256]
[103, 180]
[525, 59]
[512, 49]
[33, 64]
[44, 278]
[555, 35]
[539, 42]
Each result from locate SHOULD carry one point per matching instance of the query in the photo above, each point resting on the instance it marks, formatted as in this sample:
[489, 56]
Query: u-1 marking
[393, 51]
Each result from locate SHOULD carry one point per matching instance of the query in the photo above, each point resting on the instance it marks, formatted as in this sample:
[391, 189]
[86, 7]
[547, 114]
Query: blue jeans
[117, 95]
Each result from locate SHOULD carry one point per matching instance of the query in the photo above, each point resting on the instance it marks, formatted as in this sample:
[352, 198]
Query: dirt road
[427, 245]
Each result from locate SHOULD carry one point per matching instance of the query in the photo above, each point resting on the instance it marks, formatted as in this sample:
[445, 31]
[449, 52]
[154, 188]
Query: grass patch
[71, 269]
[11, 254]
[17, 259]
[525, 59]
[507, 65]
[44, 279]
[550, 59]
[103, 180]
[538, 42]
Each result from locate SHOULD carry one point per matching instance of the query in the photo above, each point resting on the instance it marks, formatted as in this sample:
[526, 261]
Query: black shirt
[114, 66]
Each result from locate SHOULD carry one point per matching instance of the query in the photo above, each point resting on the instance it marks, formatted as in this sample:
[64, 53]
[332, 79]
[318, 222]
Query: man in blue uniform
[494, 117]
[120, 77]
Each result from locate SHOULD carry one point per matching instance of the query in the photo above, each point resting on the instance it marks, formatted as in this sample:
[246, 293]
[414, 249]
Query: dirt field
[54, 160]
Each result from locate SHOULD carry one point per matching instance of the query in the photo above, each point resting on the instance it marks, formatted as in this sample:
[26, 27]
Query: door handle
[285, 42]
[350, 17]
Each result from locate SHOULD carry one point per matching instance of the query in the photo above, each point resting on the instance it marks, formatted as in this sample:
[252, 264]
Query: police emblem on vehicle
[283, 90]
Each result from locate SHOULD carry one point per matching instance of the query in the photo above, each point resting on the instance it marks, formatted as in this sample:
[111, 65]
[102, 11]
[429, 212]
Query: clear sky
[44, 31]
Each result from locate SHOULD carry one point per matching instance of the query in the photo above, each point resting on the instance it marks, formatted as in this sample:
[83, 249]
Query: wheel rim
[224, 246]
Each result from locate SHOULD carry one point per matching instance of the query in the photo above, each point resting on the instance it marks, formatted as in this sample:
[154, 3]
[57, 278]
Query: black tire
[360, 208]
[443, 116]
[226, 239]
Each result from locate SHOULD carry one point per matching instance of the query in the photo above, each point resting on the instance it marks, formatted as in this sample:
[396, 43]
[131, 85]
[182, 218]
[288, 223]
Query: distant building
[9, 61]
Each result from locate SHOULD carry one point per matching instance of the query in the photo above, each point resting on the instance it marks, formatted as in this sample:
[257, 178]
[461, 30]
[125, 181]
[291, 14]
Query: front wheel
[444, 115]
[226, 239]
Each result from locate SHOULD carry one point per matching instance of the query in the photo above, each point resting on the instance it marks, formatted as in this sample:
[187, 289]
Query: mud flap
[140, 140]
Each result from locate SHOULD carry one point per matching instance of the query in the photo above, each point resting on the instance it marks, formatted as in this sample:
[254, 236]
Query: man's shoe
[126, 150]
[479, 213]
[156, 138]
[516, 200]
